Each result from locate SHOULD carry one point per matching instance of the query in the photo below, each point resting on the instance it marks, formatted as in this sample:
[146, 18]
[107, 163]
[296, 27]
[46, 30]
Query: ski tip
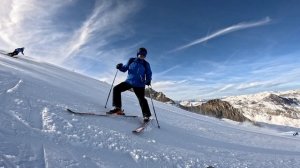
[136, 132]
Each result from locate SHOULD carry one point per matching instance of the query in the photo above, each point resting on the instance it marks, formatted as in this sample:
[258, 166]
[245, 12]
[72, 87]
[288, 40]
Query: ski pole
[150, 88]
[111, 87]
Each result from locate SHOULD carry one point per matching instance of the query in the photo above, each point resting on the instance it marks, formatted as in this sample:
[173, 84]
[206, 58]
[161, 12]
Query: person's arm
[148, 74]
[124, 68]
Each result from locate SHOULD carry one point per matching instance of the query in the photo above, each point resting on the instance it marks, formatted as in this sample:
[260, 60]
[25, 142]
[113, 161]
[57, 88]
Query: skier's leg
[140, 94]
[14, 53]
[118, 89]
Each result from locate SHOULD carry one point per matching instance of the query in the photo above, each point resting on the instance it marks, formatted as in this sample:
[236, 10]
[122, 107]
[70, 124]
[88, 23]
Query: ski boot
[116, 111]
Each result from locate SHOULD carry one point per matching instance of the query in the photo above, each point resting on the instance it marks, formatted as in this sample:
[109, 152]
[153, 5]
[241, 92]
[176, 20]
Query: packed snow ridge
[36, 130]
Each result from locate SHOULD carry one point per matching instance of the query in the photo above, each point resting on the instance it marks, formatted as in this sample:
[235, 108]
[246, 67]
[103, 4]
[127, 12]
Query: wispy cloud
[239, 26]
[104, 22]
[44, 31]
[226, 87]
[29, 23]
[247, 75]
[168, 70]
[168, 84]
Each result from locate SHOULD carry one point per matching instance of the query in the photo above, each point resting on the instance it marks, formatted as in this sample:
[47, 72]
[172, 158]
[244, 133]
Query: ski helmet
[141, 51]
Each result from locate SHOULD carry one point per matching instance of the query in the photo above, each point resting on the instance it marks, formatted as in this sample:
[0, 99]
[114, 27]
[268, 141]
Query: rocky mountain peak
[278, 100]
[159, 96]
[217, 108]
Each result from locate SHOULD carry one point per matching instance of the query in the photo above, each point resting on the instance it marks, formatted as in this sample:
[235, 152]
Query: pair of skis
[138, 130]
[9, 54]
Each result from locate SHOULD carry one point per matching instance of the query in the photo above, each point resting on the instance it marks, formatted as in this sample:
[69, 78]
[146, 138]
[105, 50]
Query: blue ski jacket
[19, 50]
[139, 72]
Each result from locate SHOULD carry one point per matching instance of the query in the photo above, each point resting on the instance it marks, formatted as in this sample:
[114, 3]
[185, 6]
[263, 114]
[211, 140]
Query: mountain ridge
[267, 107]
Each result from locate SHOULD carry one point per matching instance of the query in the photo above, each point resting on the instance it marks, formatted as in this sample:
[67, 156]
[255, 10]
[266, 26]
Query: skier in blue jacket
[139, 75]
[17, 51]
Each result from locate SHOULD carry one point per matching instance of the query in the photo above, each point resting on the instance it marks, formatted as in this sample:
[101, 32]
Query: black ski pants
[139, 92]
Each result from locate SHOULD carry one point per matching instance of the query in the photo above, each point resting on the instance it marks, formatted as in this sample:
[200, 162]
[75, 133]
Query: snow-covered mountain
[281, 108]
[217, 108]
[36, 130]
[190, 103]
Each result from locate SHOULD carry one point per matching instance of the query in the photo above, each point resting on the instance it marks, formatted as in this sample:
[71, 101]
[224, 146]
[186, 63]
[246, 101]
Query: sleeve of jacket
[124, 68]
[148, 73]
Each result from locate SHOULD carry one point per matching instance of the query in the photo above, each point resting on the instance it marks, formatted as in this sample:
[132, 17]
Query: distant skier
[16, 52]
[139, 75]
[295, 134]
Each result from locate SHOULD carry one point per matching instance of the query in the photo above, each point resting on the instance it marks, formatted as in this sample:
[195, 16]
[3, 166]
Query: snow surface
[36, 130]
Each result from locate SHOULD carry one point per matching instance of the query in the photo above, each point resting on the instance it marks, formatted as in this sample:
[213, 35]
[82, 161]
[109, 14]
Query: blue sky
[197, 49]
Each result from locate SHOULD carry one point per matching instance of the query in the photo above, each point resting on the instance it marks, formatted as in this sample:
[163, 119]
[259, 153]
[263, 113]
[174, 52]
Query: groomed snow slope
[36, 130]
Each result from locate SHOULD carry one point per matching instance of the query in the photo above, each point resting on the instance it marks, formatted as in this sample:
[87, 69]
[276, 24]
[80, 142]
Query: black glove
[148, 83]
[119, 65]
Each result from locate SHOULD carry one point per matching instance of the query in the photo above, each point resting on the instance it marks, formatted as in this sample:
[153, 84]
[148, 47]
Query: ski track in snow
[15, 87]
[36, 130]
